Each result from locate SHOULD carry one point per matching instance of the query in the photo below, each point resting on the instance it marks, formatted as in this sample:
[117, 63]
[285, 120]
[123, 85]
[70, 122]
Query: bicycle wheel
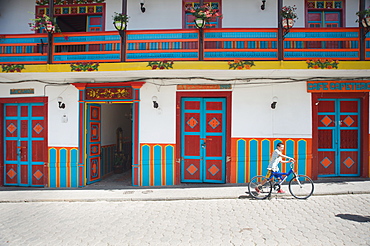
[260, 187]
[301, 187]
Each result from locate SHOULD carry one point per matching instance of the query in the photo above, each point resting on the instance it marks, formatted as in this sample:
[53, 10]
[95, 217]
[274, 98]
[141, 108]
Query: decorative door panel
[203, 140]
[93, 143]
[25, 144]
[339, 137]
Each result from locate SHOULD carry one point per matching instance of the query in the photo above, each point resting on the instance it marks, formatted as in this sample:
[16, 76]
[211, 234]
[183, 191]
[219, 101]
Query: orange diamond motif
[38, 175]
[11, 128]
[348, 121]
[326, 120]
[38, 128]
[213, 170]
[11, 173]
[192, 169]
[214, 123]
[326, 162]
[348, 162]
[192, 122]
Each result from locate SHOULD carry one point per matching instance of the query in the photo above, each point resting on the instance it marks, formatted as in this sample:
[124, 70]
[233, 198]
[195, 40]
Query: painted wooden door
[25, 144]
[93, 145]
[203, 140]
[339, 137]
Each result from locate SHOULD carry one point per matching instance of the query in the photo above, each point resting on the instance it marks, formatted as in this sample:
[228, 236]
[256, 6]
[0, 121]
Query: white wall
[15, 16]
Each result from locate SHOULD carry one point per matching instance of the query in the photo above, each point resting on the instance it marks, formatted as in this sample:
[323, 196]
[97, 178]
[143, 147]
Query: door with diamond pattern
[93, 143]
[25, 148]
[339, 137]
[203, 140]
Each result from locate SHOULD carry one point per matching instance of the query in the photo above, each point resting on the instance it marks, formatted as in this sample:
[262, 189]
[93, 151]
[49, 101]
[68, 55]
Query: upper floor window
[324, 13]
[188, 20]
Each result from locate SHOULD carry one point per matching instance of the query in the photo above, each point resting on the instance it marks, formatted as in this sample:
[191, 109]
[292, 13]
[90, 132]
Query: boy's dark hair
[279, 144]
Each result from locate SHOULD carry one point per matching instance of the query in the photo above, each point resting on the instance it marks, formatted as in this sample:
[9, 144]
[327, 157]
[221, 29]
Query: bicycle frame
[279, 175]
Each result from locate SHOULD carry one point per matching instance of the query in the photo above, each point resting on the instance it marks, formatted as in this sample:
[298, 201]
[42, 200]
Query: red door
[93, 143]
[203, 140]
[25, 144]
[339, 137]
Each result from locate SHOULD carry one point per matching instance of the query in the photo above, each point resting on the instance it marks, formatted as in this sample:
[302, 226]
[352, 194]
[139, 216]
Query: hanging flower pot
[120, 21]
[200, 23]
[366, 21]
[287, 23]
[120, 25]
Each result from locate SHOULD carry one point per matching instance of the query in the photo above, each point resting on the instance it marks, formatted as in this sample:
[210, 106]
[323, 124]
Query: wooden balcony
[184, 45]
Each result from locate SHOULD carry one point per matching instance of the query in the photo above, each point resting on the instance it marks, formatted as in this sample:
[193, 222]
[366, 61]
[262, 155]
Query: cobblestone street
[321, 220]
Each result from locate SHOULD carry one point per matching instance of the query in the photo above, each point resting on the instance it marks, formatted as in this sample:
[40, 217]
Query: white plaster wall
[62, 134]
[15, 16]
[157, 125]
[252, 115]
[350, 17]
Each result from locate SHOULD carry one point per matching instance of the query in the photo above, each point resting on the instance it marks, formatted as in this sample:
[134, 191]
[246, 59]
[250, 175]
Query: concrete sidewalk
[86, 194]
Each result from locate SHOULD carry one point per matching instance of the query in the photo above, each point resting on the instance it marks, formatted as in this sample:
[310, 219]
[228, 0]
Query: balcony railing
[219, 44]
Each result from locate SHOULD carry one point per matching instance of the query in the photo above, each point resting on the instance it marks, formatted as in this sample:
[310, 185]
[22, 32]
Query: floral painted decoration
[68, 2]
[11, 68]
[322, 63]
[46, 22]
[288, 12]
[85, 66]
[238, 64]
[160, 64]
[204, 12]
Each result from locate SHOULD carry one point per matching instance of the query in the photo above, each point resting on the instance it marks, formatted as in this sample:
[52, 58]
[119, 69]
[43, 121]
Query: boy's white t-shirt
[275, 160]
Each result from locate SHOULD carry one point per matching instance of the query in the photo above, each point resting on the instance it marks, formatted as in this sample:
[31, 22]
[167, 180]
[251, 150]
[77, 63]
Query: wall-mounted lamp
[142, 8]
[274, 102]
[61, 103]
[263, 6]
[155, 102]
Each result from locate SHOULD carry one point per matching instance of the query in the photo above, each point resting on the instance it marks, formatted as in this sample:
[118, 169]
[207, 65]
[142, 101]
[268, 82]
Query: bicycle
[300, 186]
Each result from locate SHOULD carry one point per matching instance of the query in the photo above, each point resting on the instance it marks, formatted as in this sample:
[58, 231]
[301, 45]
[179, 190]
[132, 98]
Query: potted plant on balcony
[203, 14]
[120, 21]
[288, 14]
[44, 22]
[364, 17]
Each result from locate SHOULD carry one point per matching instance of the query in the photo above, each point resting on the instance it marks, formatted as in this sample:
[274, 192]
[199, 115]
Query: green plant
[204, 12]
[46, 22]
[238, 64]
[120, 17]
[363, 14]
[119, 159]
[288, 12]
[12, 68]
[85, 66]
[160, 64]
[322, 63]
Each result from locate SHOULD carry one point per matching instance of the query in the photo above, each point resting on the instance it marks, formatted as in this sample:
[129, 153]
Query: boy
[276, 158]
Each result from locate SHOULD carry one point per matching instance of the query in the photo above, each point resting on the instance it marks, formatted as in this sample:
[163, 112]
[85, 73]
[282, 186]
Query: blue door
[93, 145]
[25, 147]
[339, 137]
[203, 140]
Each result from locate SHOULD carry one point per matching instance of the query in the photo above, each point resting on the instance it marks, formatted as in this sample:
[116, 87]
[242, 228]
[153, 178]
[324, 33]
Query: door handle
[203, 145]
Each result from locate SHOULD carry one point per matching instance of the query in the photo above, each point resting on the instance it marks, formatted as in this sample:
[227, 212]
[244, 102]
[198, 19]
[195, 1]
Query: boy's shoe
[258, 190]
[281, 191]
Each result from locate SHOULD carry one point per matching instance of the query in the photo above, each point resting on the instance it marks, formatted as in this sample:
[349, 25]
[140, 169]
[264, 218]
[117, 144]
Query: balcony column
[280, 33]
[50, 35]
[362, 33]
[123, 33]
[201, 38]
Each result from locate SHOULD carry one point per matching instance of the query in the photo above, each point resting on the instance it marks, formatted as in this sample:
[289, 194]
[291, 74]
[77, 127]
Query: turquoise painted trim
[25, 40]
[242, 162]
[145, 161]
[170, 165]
[74, 167]
[237, 54]
[235, 35]
[52, 167]
[87, 57]
[290, 151]
[157, 165]
[166, 55]
[86, 39]
[302, 157]
[265, 155]
[157, 36]
[323, 35]
[63, 167]
[253, 158]
[36, 58]
[320, 54]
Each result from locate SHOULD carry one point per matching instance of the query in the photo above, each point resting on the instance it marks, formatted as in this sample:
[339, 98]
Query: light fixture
[61, 105]
[274, 102]
[263, 6]
[142, 8]
[155, 102]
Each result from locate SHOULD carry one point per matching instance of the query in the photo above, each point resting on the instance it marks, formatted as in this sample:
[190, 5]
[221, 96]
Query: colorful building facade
[178, 104]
